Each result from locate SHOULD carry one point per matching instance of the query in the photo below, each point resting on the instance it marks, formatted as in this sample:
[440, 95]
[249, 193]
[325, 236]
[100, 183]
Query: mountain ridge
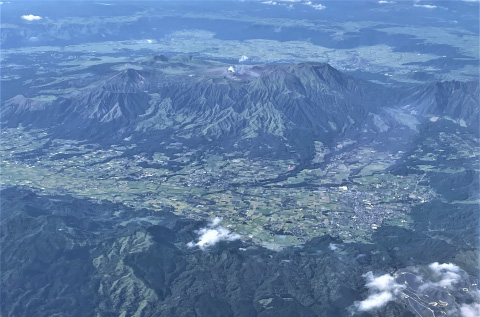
[296, 103]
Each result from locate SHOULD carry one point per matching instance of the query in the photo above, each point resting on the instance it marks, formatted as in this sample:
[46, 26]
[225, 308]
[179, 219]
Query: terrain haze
[239, 158]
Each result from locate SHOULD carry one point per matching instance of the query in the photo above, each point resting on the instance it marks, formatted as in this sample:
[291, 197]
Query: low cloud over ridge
[424, 281]
[446, 275]
[383, 289]
[212, 234]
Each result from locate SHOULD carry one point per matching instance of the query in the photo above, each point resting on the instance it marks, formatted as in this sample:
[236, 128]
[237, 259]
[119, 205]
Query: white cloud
[471, 0]
[215, 222]
[285, 3]
[426, 6]
[212, 234]
[381, 283]
[446, 275]
[243, 58]
[31, 17]
[383, 289]
[273, 3]
[385, 1]
[472, 310]
[438, 268]
[315, 6]
[332, 246]
[429, 280]
[375, 301]
[467, 310]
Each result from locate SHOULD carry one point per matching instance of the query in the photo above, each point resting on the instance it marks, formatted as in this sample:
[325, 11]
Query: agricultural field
[350, 196]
